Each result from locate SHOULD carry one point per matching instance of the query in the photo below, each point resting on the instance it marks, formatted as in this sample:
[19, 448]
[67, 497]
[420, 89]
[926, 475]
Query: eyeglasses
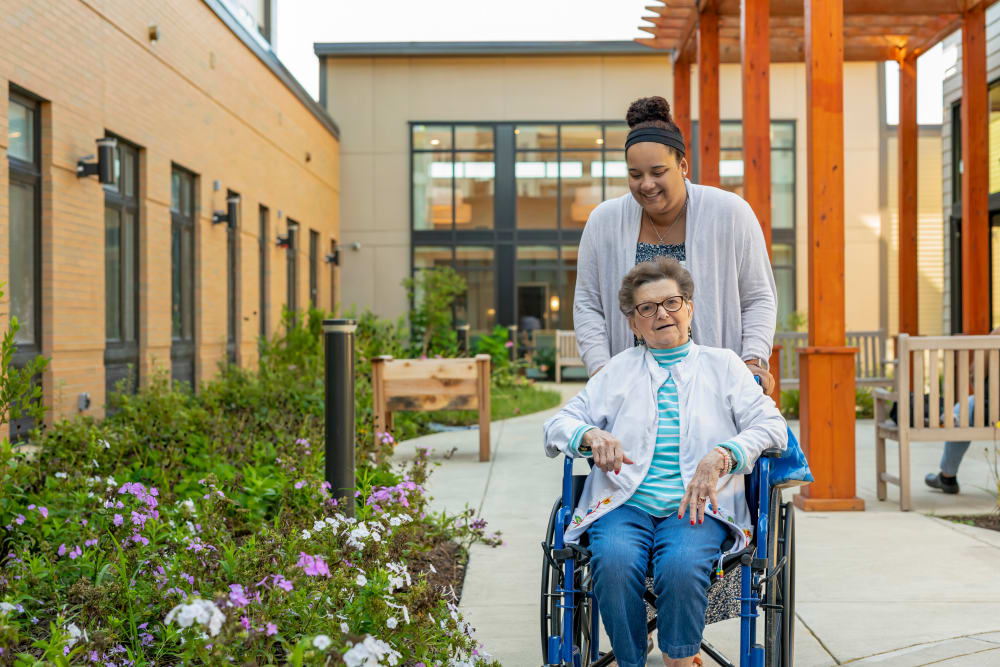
[671, 304]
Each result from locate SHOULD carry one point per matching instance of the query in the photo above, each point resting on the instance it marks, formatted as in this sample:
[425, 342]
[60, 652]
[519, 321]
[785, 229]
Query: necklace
[667, 233]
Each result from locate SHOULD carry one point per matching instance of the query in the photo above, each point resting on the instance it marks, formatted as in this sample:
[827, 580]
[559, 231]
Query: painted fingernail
[701, 521]
[616, 472]
[692, 522]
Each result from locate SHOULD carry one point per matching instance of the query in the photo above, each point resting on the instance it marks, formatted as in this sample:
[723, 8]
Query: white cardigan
[735, 297]
[719, 401]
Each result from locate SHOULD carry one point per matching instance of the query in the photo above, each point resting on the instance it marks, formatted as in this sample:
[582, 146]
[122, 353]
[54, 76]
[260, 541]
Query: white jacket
[719, 401]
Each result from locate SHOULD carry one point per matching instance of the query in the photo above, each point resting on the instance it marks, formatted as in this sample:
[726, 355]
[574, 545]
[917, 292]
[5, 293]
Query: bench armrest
[884, 395]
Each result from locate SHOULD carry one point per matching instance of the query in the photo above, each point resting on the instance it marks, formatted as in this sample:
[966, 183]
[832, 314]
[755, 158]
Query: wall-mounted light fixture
[293, 226]
[104, 168]
[230, 214]
[284, 241]
[334, 257]
[554, 303]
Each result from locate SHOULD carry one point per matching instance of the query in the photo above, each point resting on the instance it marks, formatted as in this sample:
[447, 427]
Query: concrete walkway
[877, 587]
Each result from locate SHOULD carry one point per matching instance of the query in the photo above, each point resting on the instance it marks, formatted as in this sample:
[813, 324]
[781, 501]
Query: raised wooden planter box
[423, 385]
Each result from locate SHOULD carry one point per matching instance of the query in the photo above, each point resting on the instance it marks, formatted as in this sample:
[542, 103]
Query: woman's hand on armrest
[702, 487]
[607, 451]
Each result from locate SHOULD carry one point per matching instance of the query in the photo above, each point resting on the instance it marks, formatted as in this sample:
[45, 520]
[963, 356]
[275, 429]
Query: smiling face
[663, 329]
[656, 177]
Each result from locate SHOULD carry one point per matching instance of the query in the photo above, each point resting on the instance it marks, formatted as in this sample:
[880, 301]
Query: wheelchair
[763, 573]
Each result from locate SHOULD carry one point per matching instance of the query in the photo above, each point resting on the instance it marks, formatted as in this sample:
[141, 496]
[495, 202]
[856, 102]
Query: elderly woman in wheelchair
[672, 428]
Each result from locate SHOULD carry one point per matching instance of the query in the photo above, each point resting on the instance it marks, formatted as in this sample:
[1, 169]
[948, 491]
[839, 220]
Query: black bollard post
[512, 337]
[464, 346]
[339, 412]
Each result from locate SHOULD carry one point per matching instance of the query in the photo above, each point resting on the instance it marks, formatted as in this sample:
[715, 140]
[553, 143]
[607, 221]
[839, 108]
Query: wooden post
[975, 175]
[682, 99]
[826, 366]
[380, 409]
[708, 97]
[907, 177]
[483, 380]
[756, 59]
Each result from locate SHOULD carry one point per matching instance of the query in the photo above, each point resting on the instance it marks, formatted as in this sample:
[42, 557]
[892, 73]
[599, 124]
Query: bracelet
[727, 460]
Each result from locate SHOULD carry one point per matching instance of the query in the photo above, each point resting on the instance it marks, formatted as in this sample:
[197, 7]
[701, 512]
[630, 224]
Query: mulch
[449, 563]
[988, 521]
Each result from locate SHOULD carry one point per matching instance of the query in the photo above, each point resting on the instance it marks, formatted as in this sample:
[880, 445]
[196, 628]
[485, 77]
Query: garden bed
[989, 521]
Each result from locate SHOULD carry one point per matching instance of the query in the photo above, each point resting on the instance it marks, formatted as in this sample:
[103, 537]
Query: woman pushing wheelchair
[672, 428]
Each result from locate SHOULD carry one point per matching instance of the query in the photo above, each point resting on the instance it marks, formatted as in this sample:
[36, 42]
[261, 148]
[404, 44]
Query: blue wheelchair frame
[560, 651]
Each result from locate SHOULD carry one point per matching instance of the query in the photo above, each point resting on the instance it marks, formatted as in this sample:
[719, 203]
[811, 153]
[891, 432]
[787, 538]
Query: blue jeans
[625, 545]
[954, 451]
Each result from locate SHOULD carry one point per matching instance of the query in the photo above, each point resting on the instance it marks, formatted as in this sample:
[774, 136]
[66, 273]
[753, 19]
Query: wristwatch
[759, 362]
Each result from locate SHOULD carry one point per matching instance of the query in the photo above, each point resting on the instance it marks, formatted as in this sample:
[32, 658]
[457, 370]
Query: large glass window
[292, 268]
[782, 201]
[182, 219]
[313, 268]
[232, 279]
[477, 307]
[121, 271]
[453, 177]
[262, 249]
[25, 235]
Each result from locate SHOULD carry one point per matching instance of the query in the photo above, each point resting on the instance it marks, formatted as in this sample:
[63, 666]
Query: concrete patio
[877, 587]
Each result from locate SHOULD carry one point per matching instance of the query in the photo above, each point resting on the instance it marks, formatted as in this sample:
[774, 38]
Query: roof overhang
[450, 49]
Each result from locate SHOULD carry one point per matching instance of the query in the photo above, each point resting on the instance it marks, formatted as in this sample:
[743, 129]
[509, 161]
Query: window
[232, 279]
[453, 177]
[183, 211]
[782, 201]
[121, 272]
[262, 249]
[25, 242]
[291, 268]
[334, 254]
[313, 268]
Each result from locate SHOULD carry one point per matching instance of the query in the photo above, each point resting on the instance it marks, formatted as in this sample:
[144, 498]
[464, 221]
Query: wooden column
[756, 60]
[907, 183]
[826, 366]
[975, 175]
[708, 98]
[682, 99]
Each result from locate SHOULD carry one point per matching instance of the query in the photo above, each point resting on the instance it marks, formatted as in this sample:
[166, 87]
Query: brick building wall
[198, 97]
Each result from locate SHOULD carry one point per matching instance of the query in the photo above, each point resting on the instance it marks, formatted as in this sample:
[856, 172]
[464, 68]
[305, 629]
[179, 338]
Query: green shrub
[864, 407]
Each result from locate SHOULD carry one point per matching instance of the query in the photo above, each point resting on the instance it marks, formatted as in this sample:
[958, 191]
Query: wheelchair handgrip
[771, 453]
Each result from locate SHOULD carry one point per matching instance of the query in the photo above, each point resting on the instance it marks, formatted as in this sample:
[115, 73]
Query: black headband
[671, 138]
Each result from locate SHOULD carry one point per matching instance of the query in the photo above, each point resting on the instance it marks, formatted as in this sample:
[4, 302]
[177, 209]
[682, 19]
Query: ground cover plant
[196, 528]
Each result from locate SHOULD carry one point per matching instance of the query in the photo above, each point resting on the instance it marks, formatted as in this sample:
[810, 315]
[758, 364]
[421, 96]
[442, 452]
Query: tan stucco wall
[198, 97]
[374, 99]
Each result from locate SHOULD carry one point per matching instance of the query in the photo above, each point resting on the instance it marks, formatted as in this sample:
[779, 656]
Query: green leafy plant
[432, 293]
[20, 392]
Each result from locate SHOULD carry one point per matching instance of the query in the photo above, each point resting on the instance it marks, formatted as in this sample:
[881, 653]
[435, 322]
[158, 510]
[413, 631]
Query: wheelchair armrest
[771, 453]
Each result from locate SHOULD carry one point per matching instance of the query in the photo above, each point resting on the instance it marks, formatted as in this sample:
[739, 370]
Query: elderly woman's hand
[702, 487]
[608, 453]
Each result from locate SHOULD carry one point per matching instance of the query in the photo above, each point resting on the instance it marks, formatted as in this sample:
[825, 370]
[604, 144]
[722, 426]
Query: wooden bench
[938, 367]
[432, 384]
[567, 352]
[871, 366]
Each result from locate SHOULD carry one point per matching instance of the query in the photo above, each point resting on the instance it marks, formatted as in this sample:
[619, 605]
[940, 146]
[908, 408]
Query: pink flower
[282, 583]
[299, 484]
[271, 629]
[314, 566]
[509, 344]
[245, 622]
[238, 597]
[19, 520]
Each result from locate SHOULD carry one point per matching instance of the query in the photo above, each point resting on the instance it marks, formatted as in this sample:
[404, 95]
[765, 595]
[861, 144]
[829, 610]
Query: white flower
[306, 534]
[188, 506]
[107, 445]
[6, 606]
[433, 569]
[110, 480]
[90, 494]
[74, 634]
[61, 475]
[370, 653]
[346, 629]
[406, 615]
[322, 642]
[376, 537]
[204, 612]
[318, 526]
[394, 521]
[361, 580]
[391, 623]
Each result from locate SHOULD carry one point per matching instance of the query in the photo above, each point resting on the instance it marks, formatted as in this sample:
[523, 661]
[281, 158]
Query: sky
[303, 22]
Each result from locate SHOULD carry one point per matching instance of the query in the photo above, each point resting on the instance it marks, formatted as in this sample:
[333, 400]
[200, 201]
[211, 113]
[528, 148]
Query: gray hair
[659, 268]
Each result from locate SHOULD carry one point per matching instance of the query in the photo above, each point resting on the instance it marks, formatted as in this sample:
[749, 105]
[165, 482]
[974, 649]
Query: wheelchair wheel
[779, 597]
[551, 615]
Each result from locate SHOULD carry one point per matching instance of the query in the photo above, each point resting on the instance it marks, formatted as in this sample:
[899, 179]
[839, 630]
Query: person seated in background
[673, 428]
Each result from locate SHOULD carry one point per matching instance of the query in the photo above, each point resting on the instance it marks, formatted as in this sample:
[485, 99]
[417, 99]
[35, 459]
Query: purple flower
[138, 519]
[314, 566]
[118, 520]
[76, 552]
[188, 578]
[31, 506]
[90, 543]
[238, 597]
[62, 550]
[299, 484]
[281, 582]
[19, 520]
[137, 538]
[44, 512]
[271, 629]
[245, 622]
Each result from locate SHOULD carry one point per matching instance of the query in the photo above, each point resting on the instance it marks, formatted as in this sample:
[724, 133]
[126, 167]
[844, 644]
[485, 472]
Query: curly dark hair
[659, 268]
[652, 112]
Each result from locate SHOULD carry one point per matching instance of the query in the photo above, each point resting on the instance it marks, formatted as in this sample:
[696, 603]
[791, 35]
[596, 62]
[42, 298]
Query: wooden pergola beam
[756, 66]
[907, 192]
[826, 366]
[709, 126]
[682, 100]
[975, 175]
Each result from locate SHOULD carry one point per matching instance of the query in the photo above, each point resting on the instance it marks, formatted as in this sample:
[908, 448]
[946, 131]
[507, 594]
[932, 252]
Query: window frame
[186, 225]
[292, 269]
[264, 224]
[233, 279]
[313, 268]
[29, 174]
